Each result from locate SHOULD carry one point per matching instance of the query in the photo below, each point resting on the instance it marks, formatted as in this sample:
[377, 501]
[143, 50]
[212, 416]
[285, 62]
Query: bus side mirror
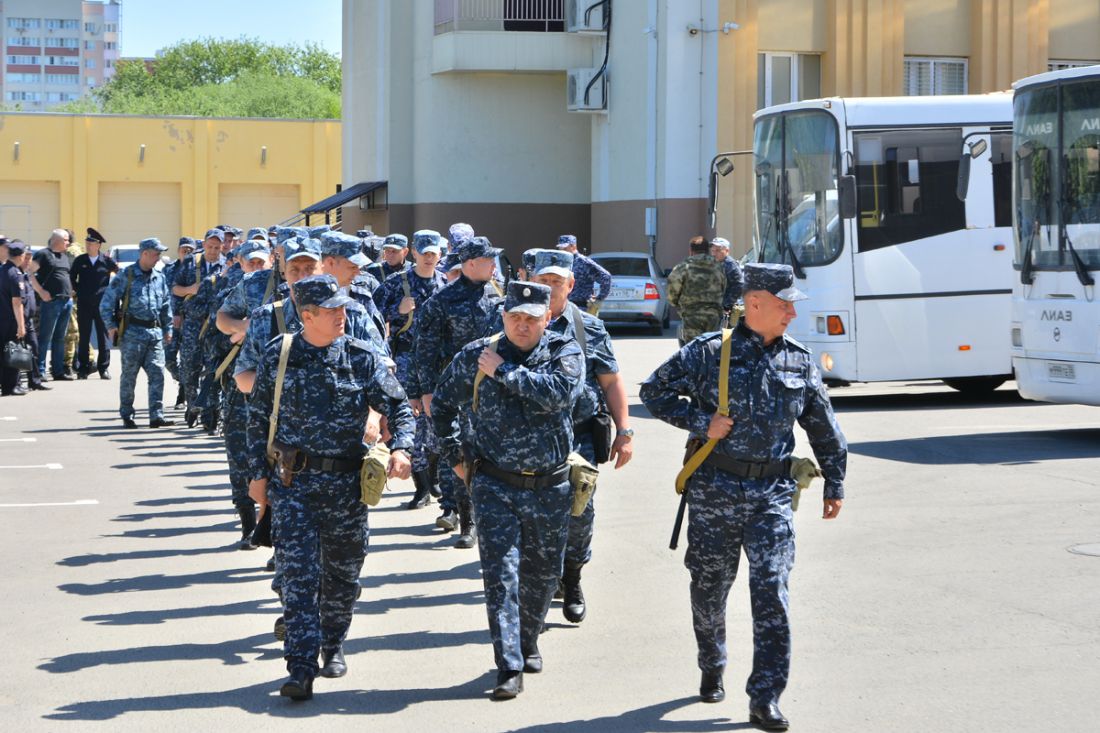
[846, 196]
[962, 184]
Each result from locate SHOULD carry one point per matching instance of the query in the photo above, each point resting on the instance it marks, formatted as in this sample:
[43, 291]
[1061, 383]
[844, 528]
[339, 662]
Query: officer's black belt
[328, 463]
[141, 322]
[749, 469]
[525, 480]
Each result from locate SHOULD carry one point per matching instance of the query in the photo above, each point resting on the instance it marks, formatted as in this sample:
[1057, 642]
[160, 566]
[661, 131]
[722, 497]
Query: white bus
[1056, 196]
[906, 281]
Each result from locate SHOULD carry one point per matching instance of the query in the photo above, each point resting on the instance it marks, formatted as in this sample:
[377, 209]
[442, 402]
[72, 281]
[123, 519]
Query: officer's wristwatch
[628, 433]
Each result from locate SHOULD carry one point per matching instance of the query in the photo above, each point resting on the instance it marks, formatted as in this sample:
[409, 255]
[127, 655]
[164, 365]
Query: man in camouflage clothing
[148, 321]
[696, 287]
[342, 257]
[399, 299]
[740, 497]
[462, 311]
[184, 251]
[319, 523]
[587, 276]
[196, 283]
[604, 392]
[520, 435]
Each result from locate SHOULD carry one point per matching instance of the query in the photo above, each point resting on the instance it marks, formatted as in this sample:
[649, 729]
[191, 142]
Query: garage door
[247, 205]
[29, 210]
[130, 212]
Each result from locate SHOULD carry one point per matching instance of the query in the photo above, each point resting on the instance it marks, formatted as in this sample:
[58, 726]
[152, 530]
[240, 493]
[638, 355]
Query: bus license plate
[1059, 371]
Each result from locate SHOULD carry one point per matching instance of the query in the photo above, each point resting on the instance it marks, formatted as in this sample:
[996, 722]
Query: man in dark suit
[90, 274]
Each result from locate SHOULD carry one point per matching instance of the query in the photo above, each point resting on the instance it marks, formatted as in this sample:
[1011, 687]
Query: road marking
[81, 502]
[18, 440]
[51, 466]
[8, 418]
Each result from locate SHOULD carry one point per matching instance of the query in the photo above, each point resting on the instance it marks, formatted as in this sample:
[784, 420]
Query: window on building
[927, 76]
[23, 23]
[108, 64]
[62, 61]
[24, 41]
[18, 78]
[62, 79]
[89, 45]
[64, 42]
[89, 63]
[110, 27]
[110, 45]
[89, 27]
[906, 183]
[1060, 64]
[23, 96]
[23, 60]
[91, 82]
[787, 77]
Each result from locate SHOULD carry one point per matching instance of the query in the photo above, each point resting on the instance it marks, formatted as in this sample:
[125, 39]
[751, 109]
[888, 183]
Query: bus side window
[905, 182]
[1001, 158]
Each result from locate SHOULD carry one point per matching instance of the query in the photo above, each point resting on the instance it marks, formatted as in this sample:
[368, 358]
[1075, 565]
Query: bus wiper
[1027, 277]
[1067, 212]
[782, 235]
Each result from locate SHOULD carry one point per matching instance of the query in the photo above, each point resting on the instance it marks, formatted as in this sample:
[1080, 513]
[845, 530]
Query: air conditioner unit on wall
[575, 10]
[577, 83]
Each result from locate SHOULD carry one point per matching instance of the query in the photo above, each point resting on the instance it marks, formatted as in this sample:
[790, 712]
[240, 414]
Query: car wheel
[657, 329]
[667, 320]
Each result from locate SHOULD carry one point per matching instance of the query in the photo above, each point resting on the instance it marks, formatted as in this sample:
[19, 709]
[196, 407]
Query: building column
[737, 80]
[1010, 39]
[866, 48]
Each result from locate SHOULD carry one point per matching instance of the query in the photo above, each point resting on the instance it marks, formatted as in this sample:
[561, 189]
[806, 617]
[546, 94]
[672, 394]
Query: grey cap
[720, 242]
[395, 241]
[151, 243]
[526, 297]
[215, 233]
[775, 279]
[553, 262]
[254, 249]
[320, 290]
[257, 233]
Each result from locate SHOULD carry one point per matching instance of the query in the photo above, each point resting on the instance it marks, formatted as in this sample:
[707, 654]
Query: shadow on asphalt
[946, 400]
[79, 561]
[649, 718]
[1008, 448]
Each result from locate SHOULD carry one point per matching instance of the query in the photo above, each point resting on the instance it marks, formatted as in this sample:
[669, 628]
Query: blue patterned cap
[338, 244]
[776, 279]
[553, 262]
[320, 290]
[529, 260]
[303, 247]
[316, 231]
[450, 262]
[257, 233]
[215, 233]
[254, 249]
[151, 243]
[284, 233]
[566, 240]
[187, 242]
[460, 232]
[395, 241]
[530, 298]
[427, 240]
[477, 247]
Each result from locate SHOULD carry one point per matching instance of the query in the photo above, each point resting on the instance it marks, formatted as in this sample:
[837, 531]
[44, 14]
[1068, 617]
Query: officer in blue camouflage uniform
[185, 250]
[604, 392]
[394, 251]
[587, 277]
[398, 299]
[465, 309]
[740, 497]
[256, 288]
[342, 257]
[520, 435]
[319, 523]
[148, 321]
[735, 279]
[189, 281]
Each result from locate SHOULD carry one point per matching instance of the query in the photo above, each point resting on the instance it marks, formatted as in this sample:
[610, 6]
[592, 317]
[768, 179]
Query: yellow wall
[81, 152]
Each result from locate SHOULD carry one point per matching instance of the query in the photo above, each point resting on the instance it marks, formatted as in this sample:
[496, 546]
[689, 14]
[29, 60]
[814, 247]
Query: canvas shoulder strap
[696, 460]
[271, 278]
[280, 317]
[577, 318]
[492, 345]
[125, 317]
[408, 294]
[280, 377]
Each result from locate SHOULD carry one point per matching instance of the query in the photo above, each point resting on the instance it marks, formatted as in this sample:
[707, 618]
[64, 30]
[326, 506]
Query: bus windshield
[1057, 192]
[796, 168]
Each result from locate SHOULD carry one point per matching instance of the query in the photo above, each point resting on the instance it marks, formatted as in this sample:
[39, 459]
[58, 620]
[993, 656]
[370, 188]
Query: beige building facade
[475, 109]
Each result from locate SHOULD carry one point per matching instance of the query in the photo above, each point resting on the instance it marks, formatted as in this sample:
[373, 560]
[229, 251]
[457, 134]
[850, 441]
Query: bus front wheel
[975, 385]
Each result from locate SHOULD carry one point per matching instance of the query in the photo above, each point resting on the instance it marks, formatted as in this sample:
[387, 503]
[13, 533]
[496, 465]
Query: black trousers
[34, 377]
[8, 377]
[87, 315]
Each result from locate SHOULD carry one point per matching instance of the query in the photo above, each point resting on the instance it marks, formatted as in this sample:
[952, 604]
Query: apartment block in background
[56, 51]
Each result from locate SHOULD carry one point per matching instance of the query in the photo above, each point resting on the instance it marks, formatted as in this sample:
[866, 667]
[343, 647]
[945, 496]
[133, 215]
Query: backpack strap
[125, 317]
[280, 317]
[692, 464]
[408, 294]
[577, 318]
[280, 377]
[480, 377]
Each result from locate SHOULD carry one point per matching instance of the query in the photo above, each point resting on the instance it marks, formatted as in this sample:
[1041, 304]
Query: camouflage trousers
[191, 364]
[578, 549]
[142, 348]
[171, 354]
[697, 321]
[728, 514]
[321, 533]
[426, 444]
[521, 537]
[235, 415]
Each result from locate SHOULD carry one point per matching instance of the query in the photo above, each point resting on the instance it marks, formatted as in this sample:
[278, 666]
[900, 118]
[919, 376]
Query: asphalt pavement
[954, 592]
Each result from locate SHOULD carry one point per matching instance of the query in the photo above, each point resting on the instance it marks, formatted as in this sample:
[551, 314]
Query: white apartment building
[57, 50]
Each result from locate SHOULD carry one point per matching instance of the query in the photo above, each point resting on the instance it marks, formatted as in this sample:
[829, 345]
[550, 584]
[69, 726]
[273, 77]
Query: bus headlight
[826, 362]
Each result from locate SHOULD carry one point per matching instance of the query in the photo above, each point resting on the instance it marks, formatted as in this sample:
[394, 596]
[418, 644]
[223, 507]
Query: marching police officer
[459, 313]
[398, 299]
[140, 297]
[195, 281]
[320, 525]
[184, 250]
[521, 432]
[740, 496]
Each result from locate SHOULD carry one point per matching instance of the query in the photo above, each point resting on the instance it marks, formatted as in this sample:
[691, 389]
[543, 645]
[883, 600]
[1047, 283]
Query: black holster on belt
[287, 460]
[603, 436]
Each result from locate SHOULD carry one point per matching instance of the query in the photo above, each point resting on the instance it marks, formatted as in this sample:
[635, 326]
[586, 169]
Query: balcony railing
[499, 15]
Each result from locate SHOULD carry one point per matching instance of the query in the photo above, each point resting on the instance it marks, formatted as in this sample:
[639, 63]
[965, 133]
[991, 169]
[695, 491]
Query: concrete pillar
[866, 48]
[1010, 39]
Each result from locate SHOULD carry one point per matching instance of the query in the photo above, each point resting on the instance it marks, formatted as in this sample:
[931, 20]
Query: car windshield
[796, 166]
[625, 266]
[126, 256]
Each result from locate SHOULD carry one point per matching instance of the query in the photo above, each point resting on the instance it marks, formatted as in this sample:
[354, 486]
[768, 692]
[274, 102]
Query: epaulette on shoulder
[797, 344]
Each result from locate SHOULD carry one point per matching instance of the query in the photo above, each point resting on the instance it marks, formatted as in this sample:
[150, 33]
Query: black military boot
[573, 603]
[248, 523]
[433, 476]
[299, 686]
[181, 398]
[711, 688]
[467, 532]
[421, 497]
